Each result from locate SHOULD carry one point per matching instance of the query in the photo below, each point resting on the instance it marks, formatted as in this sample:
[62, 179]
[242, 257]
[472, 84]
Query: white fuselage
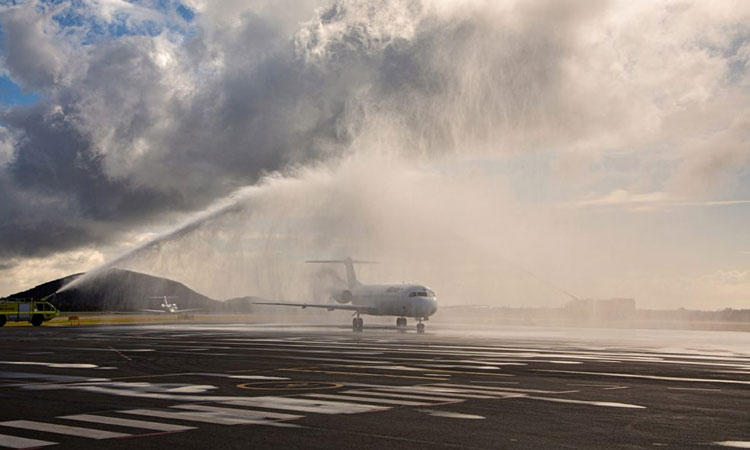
[403, 300]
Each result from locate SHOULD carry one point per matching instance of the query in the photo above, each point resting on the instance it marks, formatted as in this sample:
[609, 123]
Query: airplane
[168, 308]
[400, 300]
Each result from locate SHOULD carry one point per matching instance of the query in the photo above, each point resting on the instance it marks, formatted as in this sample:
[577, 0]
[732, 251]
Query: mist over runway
[234, 385]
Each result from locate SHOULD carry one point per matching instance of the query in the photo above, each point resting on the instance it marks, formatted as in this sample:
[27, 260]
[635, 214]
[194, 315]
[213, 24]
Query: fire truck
[27, 310]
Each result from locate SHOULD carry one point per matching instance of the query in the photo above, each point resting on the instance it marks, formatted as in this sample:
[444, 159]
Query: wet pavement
[254, 386]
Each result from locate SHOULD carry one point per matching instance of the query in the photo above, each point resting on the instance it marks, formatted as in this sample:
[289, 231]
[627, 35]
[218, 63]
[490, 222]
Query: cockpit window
[427, 293]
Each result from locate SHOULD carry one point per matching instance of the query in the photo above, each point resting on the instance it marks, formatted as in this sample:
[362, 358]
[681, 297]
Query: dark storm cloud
[55, 195]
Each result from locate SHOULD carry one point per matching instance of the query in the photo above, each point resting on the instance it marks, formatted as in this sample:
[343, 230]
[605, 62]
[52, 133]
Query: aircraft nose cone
[428, 306]
[433, 306]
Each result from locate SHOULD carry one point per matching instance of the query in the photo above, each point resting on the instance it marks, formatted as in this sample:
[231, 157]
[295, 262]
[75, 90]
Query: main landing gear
[358, 324]
[401, 322]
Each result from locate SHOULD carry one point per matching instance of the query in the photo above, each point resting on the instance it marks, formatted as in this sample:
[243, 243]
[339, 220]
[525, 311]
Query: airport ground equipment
[27, 310]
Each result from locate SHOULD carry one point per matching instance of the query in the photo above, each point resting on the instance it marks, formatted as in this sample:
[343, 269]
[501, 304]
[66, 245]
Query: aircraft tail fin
[351, 276]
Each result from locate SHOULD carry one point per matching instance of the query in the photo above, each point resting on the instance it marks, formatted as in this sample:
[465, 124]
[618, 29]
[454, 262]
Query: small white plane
[400, 300]
[168, 308]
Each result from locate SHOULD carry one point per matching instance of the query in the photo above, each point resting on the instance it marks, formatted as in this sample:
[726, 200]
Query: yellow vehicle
[27, 310]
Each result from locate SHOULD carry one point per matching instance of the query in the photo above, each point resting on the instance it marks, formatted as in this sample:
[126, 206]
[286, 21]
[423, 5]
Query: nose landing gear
[401, 322]
[358, 323]
[420, 326]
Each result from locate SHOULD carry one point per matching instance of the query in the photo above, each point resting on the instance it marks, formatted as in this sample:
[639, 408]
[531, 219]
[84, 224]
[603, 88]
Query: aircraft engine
[342, 296]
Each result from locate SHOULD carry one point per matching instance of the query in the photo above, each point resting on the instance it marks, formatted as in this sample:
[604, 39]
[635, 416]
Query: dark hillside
[120, 290]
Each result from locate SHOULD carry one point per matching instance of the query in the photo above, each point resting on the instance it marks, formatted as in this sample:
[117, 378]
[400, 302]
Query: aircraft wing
[154, 310]
[188, 310]
[361, 309]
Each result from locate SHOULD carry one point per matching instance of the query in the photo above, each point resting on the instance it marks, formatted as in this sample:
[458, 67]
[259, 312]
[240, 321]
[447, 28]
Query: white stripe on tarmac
[158, 426]
[258, 415]
[19, 442]
[394, 395]
[63, 429]
[207, 417]
[648, 377]
[583, 402]
[437, 391]
[306, 405]
[352, 398]
[493, 389]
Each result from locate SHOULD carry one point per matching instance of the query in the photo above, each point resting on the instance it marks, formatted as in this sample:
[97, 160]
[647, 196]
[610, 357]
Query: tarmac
[232, 386]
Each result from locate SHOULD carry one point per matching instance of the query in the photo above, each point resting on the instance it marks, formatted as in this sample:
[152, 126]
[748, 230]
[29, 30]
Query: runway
[272, 386]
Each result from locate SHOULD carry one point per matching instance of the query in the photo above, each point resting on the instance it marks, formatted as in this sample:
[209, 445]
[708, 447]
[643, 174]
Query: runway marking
[63, 429]
[360, 399]
[583, 402]
[47, 378]
[734, 444]
[240, 377]
[288, 386]
[693, 389]
[479, 388]
[53, 365]
[207, 417]
[647, 377]
[458, 372]
[19, 442]
[260, 415]
[450, 415]
[158, 426]
[437, 391]
[127, 358]
[306, 405]
[359, 374]
[418, 397]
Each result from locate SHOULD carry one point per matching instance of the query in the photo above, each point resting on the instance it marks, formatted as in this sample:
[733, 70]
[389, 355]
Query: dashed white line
[158, 426]
[258, 415]
[19, 442]
[693, 389]
[648, 377]
[583, 402]
[396, 395]
[63, 429]
[734, 444]
[207, 417]
[491, 389]
[306, 405]
[359, 399]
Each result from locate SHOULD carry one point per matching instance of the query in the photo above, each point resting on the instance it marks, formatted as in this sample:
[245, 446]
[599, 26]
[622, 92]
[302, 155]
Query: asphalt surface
[251, 386]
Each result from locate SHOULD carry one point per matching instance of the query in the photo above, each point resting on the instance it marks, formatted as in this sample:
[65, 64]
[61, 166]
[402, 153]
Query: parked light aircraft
[402, 300]
[168, 308]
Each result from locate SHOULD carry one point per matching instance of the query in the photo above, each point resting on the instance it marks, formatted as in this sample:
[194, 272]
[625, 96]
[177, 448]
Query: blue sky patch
[185, 12]
[12, 95]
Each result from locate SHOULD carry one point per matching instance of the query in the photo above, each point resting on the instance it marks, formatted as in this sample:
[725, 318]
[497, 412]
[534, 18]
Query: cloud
[622, 198]
[30, 57]
[146, 118]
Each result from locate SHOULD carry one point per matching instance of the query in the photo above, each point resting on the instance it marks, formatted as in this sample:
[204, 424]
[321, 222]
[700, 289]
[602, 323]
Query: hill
[125, 290]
